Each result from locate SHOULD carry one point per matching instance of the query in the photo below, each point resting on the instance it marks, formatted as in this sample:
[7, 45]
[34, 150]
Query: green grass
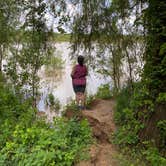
[61, 37]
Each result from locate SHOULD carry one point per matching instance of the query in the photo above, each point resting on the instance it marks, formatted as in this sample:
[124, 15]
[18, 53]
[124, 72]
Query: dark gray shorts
[79, 88]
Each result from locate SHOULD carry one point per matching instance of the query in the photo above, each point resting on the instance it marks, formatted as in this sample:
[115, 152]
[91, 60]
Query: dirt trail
[100, 117]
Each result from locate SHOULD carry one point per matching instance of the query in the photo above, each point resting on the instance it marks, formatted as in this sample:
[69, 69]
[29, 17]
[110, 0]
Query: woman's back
[79, 75]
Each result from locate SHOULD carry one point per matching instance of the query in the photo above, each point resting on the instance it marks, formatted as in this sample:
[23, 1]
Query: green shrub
[127, 134]
[122, 102]
[161, 98]
[72, 106]
[126, 118]
[26, 140]
[153, 156]
[53, 102]
[104, 92]
[61, 144]
[12, 111]
[131, 109]
[12, 107]
[53, 63]
[132, 159]
[162, 127]
[89, 101]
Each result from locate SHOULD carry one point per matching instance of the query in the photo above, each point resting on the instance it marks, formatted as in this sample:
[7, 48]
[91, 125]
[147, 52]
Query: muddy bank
[100, 117]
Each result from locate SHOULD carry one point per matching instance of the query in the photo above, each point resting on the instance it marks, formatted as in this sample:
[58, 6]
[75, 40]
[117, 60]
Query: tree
[154, 73]
[30, 48]
[7, 12]
[30, 41]
[104, 23]
[154, 70]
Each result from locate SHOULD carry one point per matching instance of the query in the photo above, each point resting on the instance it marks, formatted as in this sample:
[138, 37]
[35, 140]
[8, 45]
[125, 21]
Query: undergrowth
[27, 140]
[131, 108]
[104, 92]
[39, 144]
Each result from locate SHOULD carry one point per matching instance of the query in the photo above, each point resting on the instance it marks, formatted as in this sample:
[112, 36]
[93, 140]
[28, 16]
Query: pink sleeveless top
[79, 75]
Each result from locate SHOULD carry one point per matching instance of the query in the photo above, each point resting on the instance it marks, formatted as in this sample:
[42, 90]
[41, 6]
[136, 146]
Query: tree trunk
[1, 58]
[114, 70]
[130, 70]
[34, 91]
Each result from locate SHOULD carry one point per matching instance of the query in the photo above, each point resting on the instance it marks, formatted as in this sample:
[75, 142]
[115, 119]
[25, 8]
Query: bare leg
[83, 99]
[78, 97]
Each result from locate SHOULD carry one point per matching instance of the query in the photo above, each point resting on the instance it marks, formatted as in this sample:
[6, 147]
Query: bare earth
[100, 117]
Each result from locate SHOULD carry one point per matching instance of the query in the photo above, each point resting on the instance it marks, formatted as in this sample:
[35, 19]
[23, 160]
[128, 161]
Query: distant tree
[7, 13]
[27, 37]
[30, 49]
[106, 25]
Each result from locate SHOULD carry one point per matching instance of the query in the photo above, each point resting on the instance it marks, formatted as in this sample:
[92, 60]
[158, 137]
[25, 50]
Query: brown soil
[100, 117]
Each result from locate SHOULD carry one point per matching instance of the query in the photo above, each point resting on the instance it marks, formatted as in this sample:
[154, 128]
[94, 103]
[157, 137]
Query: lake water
[61, 87]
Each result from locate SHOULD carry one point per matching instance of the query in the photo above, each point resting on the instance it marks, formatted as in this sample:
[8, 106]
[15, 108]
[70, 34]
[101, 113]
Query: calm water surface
[61, 87]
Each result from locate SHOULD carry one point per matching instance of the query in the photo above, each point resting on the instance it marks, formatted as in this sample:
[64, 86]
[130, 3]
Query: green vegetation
[62, 144]
[129, 111]
[26, 45]
[89, 101]
[104, 92]
[54, 65]
[58, 37]
[72, 106]
[53, 102]
[27, 140]
[125, 116]
[138, 156]
[140, 111]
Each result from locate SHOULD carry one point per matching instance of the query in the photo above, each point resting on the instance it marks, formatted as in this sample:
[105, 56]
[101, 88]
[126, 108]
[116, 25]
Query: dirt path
[100, 117]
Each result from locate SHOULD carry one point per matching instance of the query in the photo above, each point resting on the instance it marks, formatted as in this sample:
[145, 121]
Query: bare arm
[72, 72]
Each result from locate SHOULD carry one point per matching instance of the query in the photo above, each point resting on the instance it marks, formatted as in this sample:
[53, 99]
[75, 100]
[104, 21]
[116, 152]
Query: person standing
[78, 74]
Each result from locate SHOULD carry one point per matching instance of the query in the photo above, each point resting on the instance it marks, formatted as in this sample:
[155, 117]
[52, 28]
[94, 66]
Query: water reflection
[61, 87]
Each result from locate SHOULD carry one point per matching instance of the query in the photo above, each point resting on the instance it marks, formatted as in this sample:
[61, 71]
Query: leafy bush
[153, 156]
[162, 127]
[104, 92]
[26, 140]
[53, 102]
[127, 134]
[131, 109]
[126, 116]
[72, 106]
[122, 102]
[161, 98]
[61, 144]
[89, 101]
[12, 110]
[12, 107]
[132, 159]
[54, 63]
